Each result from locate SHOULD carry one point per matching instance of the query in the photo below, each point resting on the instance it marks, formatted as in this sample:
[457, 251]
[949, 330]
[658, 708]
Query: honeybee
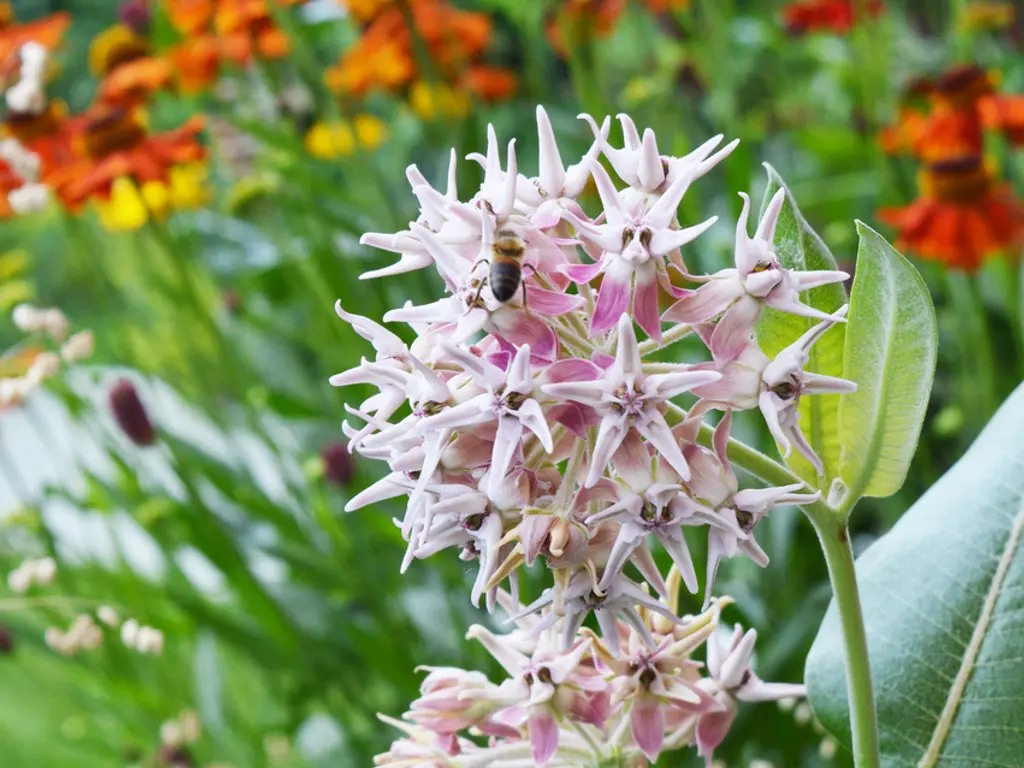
[506, 266]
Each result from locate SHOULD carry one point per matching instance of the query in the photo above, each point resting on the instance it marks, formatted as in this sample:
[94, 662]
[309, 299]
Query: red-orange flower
[1004, 113]
[836, 16]
[962, 215]
[129, 73]
[48, 32]
[44, 134]
[583, 20]
[111, 142]
[383, 57]
[218, 31]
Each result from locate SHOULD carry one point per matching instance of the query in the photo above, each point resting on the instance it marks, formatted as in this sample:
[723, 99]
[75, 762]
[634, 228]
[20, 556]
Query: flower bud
[135, 15]
[131, 414]
[337, 464]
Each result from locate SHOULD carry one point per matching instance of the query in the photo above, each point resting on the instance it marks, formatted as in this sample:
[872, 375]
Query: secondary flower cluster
[963, 213]
[106, 154]
[523, 422]
[40, 355]
[590, 703]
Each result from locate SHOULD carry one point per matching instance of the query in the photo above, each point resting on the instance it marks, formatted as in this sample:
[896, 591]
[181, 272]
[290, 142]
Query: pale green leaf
[891, 341]
[799, 247]
[943, 599]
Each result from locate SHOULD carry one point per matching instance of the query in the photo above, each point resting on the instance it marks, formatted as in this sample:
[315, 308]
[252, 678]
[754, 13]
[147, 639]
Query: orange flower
[190, 17]
[196, 62]
[836, 16]
[1004, 114]
[112, 143]
[43, 134]
[903, 136]
[953, 129]
[9, 181]
[48, 32]
[583, 20]
[491, 83]
[115, 46]
[962, 215]
[136, 81]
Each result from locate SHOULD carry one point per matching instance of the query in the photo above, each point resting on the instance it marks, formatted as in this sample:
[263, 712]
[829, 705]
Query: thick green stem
[830, 525]
[835, 541]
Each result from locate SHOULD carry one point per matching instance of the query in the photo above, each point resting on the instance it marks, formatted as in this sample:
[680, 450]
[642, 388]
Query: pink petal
[613, 298]
[648, 725]
[712, 728]
[645, 302]
[543, 730]
[533, 532]
[734, 330]
[506, 443]
[609, 435]
[521, 328]
[550, 302]
[581, 273]
[632, 462]
[574, 417]
[708, 301]
[650, 171]
[766, 227]
[574, 369]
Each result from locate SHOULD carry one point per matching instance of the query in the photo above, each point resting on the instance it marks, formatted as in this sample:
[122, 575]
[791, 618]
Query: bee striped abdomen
[506, 265]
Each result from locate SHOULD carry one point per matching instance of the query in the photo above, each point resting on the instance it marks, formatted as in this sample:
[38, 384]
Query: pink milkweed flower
[643, 168]
[555, 188]
[714, 482]
[652, 501]
[742, 292]
[508, 400]
[442, 707]
[627, 399]
[733, 680]
[542, 686]
[634, 244]
[475, 520]
[618, 601]
[660, 685]
[784, 381]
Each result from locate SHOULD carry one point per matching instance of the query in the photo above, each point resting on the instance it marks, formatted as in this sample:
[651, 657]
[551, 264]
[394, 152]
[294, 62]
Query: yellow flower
[157, 197]
[370, 131]
[126, 210]
[441, 100]
[188, 186]
[330, 140]
[993, 16]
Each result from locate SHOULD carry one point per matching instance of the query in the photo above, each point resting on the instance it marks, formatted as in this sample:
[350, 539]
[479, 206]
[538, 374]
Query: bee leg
[524, 293]
[476, 298]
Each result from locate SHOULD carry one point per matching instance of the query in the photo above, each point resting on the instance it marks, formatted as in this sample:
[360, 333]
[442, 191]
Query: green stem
[830, 525]
[835, 542]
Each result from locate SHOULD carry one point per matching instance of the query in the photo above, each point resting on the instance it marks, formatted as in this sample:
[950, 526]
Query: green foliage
[943, 596]
[891, 341]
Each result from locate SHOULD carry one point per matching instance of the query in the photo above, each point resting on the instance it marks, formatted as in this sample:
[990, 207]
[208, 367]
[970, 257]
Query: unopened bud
[131, 414]
[337, 464]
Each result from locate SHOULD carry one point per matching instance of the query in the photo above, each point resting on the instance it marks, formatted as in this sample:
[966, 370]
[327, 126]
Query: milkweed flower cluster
[589, 704]
[523, 421]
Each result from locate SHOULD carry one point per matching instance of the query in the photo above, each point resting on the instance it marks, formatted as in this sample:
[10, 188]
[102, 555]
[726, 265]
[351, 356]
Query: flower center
[745, 520]
[26, 127]
[786, 390]
[963, 86]
[114, 130]
[653, 515]
[514, 400]
[473, 522]
[630, 402]
[957, 181]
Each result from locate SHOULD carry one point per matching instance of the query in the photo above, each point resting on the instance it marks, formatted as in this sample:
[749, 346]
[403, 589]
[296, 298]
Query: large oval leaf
[891, 341]
[799, 247]
[943, 598]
